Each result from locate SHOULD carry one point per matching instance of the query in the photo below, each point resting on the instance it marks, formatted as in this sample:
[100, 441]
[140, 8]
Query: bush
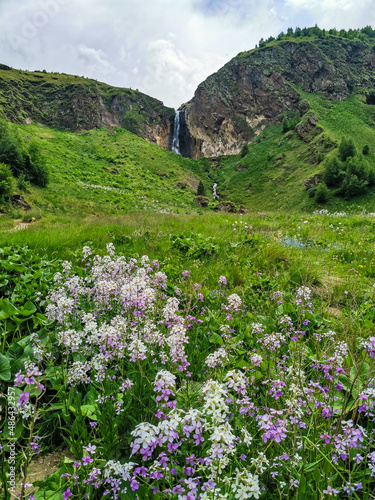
[35, 168]
[244, 150]
[292, 122]
[22, 183]
[321, 194]
[11, 148]
[346, 149]
[29, 162]
[6, 182]
[365, 150]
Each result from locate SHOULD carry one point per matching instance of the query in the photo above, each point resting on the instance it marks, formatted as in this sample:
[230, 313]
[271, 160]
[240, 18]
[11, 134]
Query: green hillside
[272, 174]
[109, 172]
[70, 102]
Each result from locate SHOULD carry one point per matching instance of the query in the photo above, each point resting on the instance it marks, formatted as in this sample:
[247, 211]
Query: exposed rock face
[253, 89]
[307, 129]
[312, 182]
[74, 103]
[18, 200]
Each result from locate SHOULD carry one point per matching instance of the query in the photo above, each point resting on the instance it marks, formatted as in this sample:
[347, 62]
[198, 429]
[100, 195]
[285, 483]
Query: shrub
[6, 182]
[244, 150]
[321, 194]
[22, 183]
[290, 124]
[366, 150]
[11, 148]
[346, 149]
[29, 162]
[35, 168]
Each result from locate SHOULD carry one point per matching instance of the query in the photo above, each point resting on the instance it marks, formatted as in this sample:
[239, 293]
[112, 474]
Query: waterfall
[176, 134]
[214, 192]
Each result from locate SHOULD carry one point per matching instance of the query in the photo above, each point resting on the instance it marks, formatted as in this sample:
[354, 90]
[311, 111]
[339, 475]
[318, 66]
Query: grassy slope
[129, 173]
[32, 92]
[272, 173]
[143, 176]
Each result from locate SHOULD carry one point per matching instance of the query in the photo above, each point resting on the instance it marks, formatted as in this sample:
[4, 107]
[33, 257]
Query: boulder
[202, 201]
[242, 210]
[181, 185]
[226, 206]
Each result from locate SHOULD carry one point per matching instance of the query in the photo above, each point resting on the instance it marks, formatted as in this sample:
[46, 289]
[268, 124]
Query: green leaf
[15, 351]
[311, 467]
[302, 487]
[28, 309]
[7, 309]
[4, 368]
[87, 411]
[216, 339]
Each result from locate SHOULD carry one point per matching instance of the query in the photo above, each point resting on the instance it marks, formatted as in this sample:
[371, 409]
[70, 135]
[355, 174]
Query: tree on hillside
[333, 173]
[201, 191]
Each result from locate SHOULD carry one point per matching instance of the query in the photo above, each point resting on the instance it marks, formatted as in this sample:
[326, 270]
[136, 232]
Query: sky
[163, 48]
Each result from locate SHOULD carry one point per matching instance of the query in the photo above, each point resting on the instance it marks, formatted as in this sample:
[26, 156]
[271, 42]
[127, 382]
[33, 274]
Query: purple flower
[24, 397]
[133, 484]
[326, 437]
[87, 460]
[67, 494]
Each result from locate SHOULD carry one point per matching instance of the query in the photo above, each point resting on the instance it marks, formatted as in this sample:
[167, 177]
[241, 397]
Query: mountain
[77, 103]
[257, 88]
[263, 129]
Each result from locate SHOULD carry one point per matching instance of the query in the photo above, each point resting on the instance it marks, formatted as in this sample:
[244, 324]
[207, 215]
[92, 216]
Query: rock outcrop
[18, 200]
[255, 88]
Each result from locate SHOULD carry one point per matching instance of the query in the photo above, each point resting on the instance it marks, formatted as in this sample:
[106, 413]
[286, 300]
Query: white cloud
[162, 47]
[340, 14]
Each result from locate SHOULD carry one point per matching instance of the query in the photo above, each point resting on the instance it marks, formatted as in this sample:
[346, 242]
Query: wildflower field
[217, 357]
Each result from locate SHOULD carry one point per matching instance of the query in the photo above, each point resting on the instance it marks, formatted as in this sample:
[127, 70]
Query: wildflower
[24, 397]
[67, 494]
[222, 281]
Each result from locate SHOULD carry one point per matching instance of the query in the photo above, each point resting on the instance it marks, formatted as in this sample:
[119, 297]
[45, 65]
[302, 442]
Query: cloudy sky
[164, 48]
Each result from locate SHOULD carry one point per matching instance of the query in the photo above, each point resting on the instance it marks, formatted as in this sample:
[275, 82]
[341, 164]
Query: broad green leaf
[15, 351]
[28, 309]
[216, 339]
[4, 368]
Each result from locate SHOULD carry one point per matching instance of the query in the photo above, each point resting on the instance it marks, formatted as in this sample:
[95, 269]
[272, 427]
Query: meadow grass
[250, 272]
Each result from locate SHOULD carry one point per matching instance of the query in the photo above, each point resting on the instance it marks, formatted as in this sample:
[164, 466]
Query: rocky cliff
[75, 103]
[256, 88]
